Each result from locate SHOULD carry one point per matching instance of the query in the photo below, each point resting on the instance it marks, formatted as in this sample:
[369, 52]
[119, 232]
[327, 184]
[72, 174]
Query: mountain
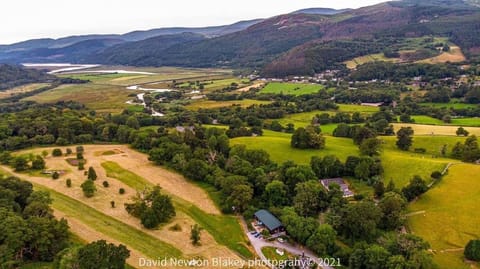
[321, 11]
[41, 50]
[142, 52]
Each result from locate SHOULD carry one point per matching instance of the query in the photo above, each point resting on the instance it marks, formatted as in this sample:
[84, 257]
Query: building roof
[269, 220]
[340, 182]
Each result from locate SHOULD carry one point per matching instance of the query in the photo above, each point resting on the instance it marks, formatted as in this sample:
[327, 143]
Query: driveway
[258, 244]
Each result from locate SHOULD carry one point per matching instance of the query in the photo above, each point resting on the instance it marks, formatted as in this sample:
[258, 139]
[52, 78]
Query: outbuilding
[269, 221]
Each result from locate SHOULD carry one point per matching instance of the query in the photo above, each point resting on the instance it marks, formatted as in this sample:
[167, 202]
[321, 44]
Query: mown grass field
[433, 130]
[216, 104]
[451, 215]
[353, 63]
[225, 229]
[455, 105]
[291, 88]
[111, 227]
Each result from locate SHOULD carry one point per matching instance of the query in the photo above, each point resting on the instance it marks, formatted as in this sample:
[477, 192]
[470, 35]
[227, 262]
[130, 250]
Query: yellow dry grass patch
[170, 182]
[455, 55]
[423, 129]
[21, 89]
[247, 88]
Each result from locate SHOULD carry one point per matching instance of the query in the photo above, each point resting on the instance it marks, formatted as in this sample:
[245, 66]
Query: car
[253, 232]
[258, 235]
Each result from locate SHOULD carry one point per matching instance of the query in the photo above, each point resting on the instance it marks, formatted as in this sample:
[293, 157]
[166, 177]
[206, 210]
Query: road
[258, 244]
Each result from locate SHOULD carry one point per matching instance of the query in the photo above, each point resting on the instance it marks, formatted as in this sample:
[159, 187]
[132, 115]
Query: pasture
[291, 88]
[207, 104]
[433, 130]
[455, 55]
[451, 215]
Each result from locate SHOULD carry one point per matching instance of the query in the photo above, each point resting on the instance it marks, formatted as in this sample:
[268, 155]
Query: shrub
[112, 204]
[436, 175]
[88, 188]
[55, 175]
[175, 228]
[420, 150]
[81, 166]
[69, 151]
[121, 191]
[56, 152]
[105, 184]
[472, 250]
[69, 183]
[79, 156]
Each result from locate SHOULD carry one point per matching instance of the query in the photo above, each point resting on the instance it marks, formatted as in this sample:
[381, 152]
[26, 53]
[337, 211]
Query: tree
[307, 138]
[20, 163]
[38, 163]
[322, 241]
[99, 254]
[133, 123]
[195, 234]
[56, 152]
[457, 150]
[55, 175]
[462, 132]
[471, 151]
[360, 220]
[79, 149]
[371, 147]
[88, 188]
[44, 153]
[415, 188]
[105, 184]
[240, 197]
[68, 182]
[310, 197]
[92, 175]
[151, 207]
[392, 206]
[404, 138]
[81, 165]
[376, 257]
[275, 194]
[379, 189]
[472, 250]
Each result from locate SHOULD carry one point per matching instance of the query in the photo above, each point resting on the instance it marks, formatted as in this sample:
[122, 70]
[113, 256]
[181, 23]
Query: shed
[269, 221]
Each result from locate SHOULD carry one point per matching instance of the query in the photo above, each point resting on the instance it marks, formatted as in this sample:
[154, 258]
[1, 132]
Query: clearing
[291, 88]
[451, 215]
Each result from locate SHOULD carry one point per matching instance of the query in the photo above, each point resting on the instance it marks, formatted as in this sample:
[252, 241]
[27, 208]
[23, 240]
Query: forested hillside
[12, 76]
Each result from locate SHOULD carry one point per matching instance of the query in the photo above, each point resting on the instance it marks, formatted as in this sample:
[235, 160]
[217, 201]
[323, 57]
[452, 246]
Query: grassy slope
[111, 227]
[291, 88]
[225, 229]
[451, 214]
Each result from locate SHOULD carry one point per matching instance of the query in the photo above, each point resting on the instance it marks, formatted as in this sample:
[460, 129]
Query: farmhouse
[340, 182]
[269, 221]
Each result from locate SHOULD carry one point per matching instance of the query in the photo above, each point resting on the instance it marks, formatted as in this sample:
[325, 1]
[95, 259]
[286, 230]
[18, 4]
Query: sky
[27, 19]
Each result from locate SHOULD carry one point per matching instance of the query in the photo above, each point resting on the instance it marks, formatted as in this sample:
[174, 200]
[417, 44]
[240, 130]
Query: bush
[55, 175]
[472, 250]
[176, 228]
[105, 184]
[88, 188]
[420, 150]
[112, 204]
[121, 191]
[57, 153]
[81, 166]
[436, 175]
[69, 183]
[359, 197]
[69, 151]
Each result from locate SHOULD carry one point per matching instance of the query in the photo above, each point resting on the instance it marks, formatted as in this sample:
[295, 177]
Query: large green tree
[101, 254]
[404, 138]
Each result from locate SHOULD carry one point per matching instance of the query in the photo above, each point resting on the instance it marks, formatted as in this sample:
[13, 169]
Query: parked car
[253, 232]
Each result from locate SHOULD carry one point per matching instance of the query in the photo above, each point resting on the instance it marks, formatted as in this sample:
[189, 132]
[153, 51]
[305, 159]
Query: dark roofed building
[269, 221]
[340, 182]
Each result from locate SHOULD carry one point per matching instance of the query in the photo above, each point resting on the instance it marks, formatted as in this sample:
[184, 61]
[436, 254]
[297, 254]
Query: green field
[291, 88]
[454, 105]
[225, 229]
[206, 104]
[278, 146]
[305, 118]
[421, 119]
[451, 215]
[271, 254]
